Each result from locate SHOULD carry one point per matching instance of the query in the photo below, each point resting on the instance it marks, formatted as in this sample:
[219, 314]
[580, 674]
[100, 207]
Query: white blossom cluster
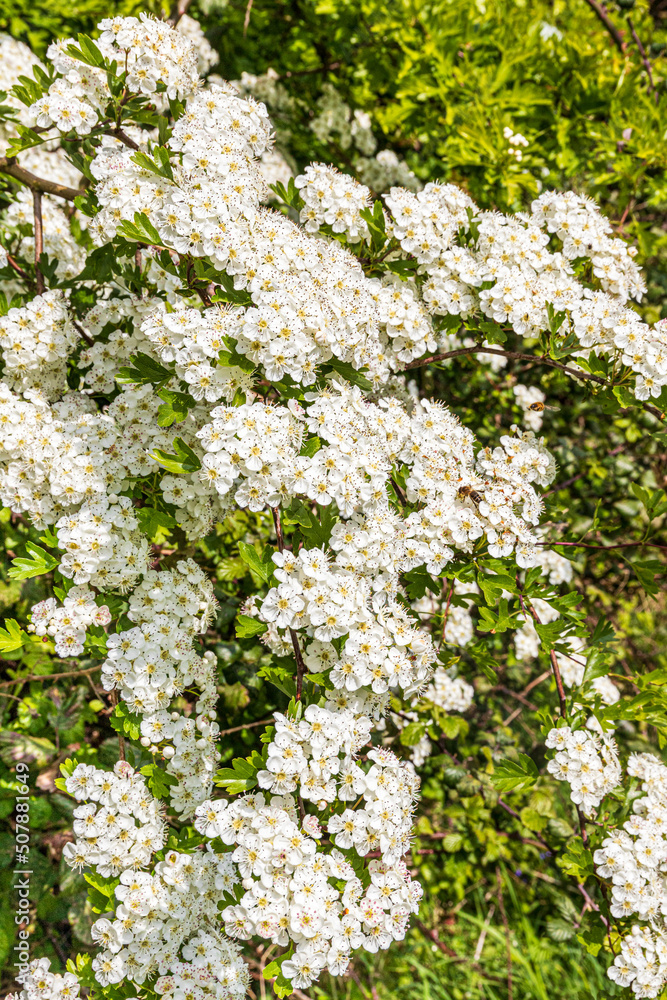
[333, 199]
[120, 827]
[641, 963]
[589, 763]
[192, 339]
[36, 340]
[41, 984]
[260, 444]
[382, 648]
[528, 278]
[170, 909]
[217, 971]
[336, 120]
[154, 662]
[307, 754]
[49, 160]
[154, 54]
[289, 895]
[633, 859]
[67, 624]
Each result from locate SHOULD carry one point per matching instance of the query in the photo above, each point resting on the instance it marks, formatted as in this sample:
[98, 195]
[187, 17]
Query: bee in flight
[468, 491]
[538, 407]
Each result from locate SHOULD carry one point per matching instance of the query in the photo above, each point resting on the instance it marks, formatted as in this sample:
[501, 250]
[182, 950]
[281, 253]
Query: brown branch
[122, 137]
[178, 9]
[82, 333]
[644, 58]
[554, 662]
[19, 270]
[432, 936]
[517, 356]
[49, 677]
[399, 492]
[8, 165]
[246, 19]
[603, 16]
[446, 611]
[618, 545]
[514, 355]
[246, 725]
[39, 238]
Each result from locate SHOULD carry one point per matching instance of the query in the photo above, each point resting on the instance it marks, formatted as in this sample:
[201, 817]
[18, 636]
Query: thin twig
[552, 656]
[246, 725]
[39, 238]
[113, 696]
[644, 58]
[178, 9]
[617, 545]
[82, 333]
[19, 270]
[246, 19]
[602, 14]
[517, 356]
[49, 677]
[446, 612]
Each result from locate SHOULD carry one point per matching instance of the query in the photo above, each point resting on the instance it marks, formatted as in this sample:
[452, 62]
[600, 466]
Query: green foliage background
[440, 79]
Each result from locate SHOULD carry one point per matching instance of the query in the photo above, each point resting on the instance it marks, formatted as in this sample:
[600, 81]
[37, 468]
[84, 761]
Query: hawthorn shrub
[332, 469]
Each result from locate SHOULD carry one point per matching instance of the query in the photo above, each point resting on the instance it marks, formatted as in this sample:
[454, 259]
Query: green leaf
[493, 332]
[290, 194]
[158, 780]
[87, 51]
[261, 567]
[146, 370]
[510, 774]
[413, 733]
[175, 407]
[247, 627]
[501, 622]
[12, 638]
[101, 263]
[126, 722]
[559, 929]
[576, 860]
[282, 986]
[241, 776]
[161, 165]
[41, 562]
[156, 524]
[282, 677]
[141, 230]
[184, 459]
[348, 372]
[311, 447]
[653, 501]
